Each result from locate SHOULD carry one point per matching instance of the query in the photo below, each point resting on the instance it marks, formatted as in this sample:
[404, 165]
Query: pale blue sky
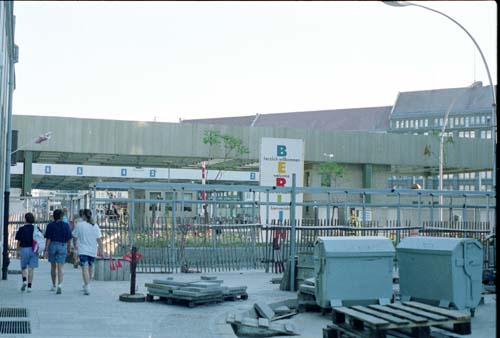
[171, 60]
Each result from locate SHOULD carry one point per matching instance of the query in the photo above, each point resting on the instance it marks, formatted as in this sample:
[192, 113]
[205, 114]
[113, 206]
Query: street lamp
[493, 96]
[441, 142]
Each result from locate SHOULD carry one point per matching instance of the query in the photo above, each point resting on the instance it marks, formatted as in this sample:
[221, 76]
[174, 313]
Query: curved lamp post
[441, 142]
[493, 96]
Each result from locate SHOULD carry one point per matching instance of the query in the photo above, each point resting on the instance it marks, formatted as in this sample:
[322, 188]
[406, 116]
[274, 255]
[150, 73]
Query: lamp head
[397, 3]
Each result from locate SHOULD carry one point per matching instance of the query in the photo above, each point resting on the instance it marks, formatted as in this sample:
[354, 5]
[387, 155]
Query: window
[466, 121]
[472, 175]
[488, 134]
[483, 134]
[462, 121]
[421, 123]
[450, 122]
[406, 124]
[307, 179]
[411, 123]
[436, 122]
[426, 133]
[472, 134]
[461, 175]
[397, 124]
[441, 122]
[483, 119]
[482, 174]
[461, 134]
[457, 121]
[426, 122]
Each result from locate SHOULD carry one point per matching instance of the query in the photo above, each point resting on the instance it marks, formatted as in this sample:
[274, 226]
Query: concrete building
[423, 112]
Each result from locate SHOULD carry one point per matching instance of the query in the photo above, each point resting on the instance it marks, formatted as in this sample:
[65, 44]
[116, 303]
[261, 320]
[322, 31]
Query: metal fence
[176, 242]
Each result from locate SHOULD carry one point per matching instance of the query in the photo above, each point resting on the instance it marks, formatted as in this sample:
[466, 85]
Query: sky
[165, 61]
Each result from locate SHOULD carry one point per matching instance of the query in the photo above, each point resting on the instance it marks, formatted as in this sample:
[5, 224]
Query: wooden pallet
[184, 300]
[236, 296]
[406, 319]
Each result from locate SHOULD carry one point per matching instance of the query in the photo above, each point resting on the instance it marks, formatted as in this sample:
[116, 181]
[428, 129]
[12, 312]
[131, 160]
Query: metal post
[432, 209]
[254, 229]
[131, 218]
[419, 215]
[133, 264]
[214, 220]
[92, 201]
[174, 223]
[328, 209]
[346, 211]
[464, 210]
[398, 216]
[292, 234]
[267, 230]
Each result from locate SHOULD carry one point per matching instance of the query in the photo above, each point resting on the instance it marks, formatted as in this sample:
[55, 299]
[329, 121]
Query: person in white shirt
[89, 246]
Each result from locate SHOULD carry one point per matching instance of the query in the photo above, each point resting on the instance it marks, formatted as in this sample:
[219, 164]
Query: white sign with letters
[279, 159]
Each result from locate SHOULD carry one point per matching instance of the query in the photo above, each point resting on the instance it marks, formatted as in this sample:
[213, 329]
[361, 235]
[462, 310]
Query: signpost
[279, 159]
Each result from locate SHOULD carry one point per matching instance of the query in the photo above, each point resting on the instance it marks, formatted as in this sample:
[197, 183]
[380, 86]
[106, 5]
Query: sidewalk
[101, 314]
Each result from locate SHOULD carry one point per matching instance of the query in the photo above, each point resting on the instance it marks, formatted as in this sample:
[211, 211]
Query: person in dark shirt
[29, 259]
[58, 241]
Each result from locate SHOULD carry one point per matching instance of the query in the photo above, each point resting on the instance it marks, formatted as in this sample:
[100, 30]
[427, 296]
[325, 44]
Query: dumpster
[441, 271]
[353, 270]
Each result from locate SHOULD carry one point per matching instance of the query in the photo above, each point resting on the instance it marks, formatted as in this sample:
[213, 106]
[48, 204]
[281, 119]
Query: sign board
[279, 159]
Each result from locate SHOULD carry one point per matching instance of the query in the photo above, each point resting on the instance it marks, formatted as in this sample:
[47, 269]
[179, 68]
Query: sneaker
[53, 288]
[29, 290]
[23, 288]
[86, 290]
[59, 290]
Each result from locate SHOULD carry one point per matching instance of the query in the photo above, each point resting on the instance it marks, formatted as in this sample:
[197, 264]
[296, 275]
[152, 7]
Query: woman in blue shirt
[29, 259]
[58, 236]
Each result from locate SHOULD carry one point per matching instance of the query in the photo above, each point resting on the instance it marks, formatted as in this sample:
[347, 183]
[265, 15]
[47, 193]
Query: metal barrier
[175, 241]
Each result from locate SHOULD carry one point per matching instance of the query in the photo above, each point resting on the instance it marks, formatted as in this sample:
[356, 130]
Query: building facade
[423, 113]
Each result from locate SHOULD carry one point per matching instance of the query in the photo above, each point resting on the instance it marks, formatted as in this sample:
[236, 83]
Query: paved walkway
[100, 315]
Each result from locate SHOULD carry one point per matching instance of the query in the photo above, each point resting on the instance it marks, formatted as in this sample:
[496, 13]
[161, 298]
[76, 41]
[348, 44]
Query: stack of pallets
[206, 290]
[406, 319]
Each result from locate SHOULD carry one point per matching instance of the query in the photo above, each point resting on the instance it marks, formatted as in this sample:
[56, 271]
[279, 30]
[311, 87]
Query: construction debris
[265, 320]
[206, 290]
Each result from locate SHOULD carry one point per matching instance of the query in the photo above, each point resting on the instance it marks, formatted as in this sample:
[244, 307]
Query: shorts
[86, 260]
[57, 252]
[29, 259]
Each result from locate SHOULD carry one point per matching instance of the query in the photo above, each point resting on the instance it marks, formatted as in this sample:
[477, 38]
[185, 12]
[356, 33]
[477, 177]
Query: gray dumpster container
[353, 270]
[441, 271]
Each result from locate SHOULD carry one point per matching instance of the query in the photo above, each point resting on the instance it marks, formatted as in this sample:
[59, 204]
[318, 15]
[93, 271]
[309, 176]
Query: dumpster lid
[356, 245]
[444, 244]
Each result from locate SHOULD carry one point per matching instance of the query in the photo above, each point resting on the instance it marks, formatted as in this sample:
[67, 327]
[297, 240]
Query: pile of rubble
[265, 320]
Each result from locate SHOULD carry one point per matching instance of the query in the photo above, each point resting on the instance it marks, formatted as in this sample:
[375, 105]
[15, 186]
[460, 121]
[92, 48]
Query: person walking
[29, 258]
[89, 246]
[77, 219]
[58, 236]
